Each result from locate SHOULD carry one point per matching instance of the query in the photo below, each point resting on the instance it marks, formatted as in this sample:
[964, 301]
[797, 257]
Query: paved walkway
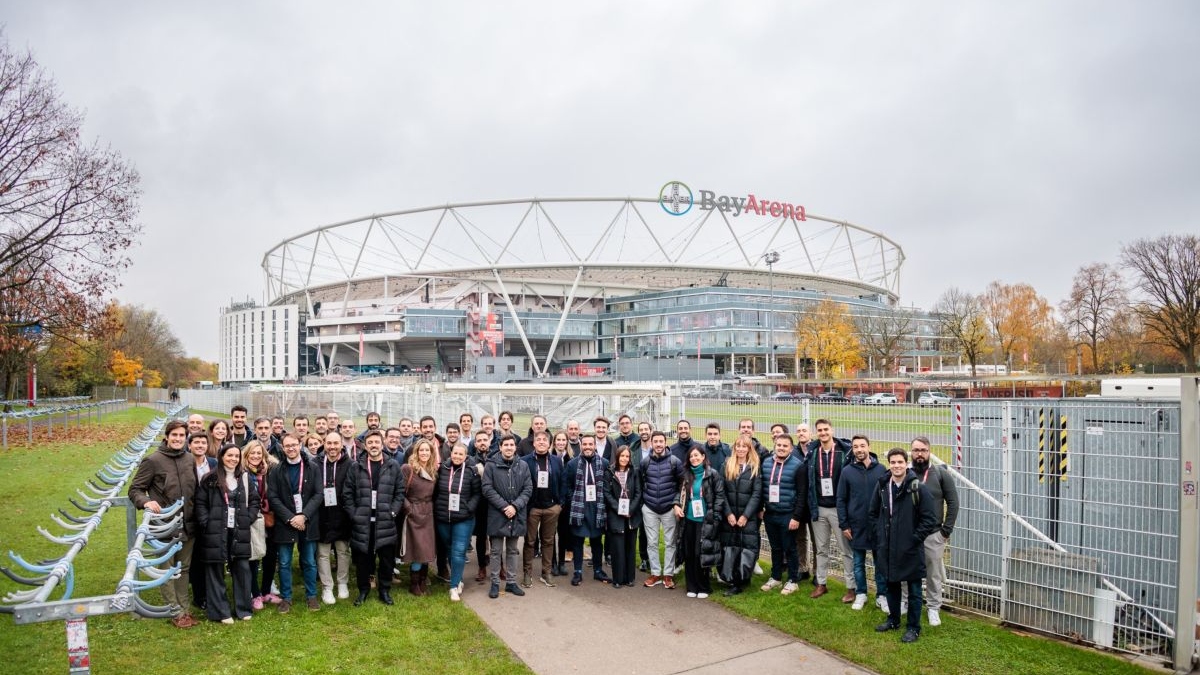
[657, 632]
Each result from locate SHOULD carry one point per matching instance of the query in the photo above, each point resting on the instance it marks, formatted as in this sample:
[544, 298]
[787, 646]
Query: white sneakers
[343, 591]
[327, 596]
[691, 594]
[772, 584]
[882, 603]
[702, 595]
[455, 596]
[860, 601]
[935, 618]
[758, 568]
[789, 588]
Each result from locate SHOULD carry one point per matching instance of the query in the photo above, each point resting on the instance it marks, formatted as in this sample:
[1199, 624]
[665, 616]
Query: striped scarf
[579, 494]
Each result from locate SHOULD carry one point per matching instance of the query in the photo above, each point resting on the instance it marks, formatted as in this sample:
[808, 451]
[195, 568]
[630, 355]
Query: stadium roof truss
[625, 242]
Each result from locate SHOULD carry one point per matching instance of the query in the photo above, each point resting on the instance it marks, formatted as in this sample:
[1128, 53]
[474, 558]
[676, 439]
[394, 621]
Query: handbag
[258, 529]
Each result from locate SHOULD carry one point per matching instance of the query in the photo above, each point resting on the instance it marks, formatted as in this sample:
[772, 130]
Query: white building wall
[259, 344]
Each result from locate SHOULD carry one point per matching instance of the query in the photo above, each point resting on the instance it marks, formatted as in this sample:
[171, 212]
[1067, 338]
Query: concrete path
[594, 628]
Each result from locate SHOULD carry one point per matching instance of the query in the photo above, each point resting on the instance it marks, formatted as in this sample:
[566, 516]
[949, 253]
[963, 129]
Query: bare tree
[1168, 277]
[960, 317]
[67, 210]
[1091, 311]
[885, 334]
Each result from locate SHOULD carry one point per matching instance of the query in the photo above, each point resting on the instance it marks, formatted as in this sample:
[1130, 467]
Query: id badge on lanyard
[826, 487]
[773, 494]
[543, 479]
[230, 517]
[453, 501]
[589, 492]
[330, 496]
[623, 506]
[697, 508]
[297, 504]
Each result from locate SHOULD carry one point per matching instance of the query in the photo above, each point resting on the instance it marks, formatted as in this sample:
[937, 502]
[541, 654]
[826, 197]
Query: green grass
[959, 645]
[427, 635]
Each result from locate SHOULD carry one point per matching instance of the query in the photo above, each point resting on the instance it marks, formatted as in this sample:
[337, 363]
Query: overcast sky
[1010, 141]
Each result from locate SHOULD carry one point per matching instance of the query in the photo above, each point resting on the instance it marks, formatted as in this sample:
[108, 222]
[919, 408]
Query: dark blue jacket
[717, 456]
[661, 480]
[681, 449]
[792, 479]
[854, 491]
[816, 469]
[556, 475]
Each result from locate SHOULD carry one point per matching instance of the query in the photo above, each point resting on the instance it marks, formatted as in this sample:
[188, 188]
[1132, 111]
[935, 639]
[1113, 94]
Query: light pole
[771, 257]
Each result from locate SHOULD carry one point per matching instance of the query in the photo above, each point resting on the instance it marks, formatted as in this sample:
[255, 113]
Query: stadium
[643, 288]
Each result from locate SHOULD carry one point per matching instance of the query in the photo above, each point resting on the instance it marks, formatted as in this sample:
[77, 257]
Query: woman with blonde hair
[739, 519]
[313, 444]
[420, 481]
[258, 463]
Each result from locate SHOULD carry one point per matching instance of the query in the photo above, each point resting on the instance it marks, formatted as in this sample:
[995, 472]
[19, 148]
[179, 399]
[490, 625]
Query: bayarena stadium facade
[696, 283]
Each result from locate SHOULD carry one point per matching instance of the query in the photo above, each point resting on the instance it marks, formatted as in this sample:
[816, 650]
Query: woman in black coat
[697, 506]
[227, 504]
[739, 519]
[623, 498]
[459, 477]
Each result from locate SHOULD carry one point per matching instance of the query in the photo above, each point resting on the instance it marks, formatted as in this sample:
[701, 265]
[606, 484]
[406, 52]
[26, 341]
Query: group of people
[255, 493]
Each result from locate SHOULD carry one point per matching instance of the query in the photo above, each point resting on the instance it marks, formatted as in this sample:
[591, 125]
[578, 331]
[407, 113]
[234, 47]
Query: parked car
[933, 398]
[831, 397]
[801, 396]
[857, 398]
[783, 397]
[743, 397]
[880, 399]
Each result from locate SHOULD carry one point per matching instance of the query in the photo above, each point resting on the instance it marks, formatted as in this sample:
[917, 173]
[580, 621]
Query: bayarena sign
[676, 198]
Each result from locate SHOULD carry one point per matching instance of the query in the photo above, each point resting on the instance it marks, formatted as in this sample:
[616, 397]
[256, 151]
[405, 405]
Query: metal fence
[1069, 519]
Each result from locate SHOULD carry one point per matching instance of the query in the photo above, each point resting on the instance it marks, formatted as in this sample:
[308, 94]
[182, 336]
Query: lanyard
[776, 480]
[325, 472]
[622, 476]
[925, 477]
[450, 483]
[300, 485]
[589, 477]
[370, 478]
[544, 468]
[821, 463]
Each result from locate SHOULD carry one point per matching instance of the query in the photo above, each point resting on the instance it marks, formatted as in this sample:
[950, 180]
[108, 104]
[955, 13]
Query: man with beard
[683, 441]
[373, 496]
[854, 491]
[715, 449]
[239, 433]
[944, 495]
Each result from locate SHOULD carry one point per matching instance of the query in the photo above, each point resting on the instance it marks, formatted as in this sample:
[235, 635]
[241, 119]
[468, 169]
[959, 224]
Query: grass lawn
[426, 635]
[959, 645]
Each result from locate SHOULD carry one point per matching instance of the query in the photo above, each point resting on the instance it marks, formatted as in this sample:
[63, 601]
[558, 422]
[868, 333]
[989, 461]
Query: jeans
[860, 574]
[783, 546]
[457, 535]
[914, 603]
[308, 569]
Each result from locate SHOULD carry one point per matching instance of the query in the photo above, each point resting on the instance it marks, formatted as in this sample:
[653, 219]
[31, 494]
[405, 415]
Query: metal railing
[48, 417]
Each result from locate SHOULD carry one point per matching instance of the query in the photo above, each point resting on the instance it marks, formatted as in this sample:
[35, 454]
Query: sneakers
[577, 578]
[882, 603]
[758, 569]
[313, 604]
[886, 626]
[848, 597]
[789, 588]
[184, 621]
[285, 606]
[910, 635]
[527, 582]
[935, 617]
[513, 589]
[274, 590]
[669, 582]
[273, 598]
[691, 594]
[702, 595]
[455, 596]
[546, 581]
[228, 621]
[652, 581]
[257, 603]
[772, 584]
[327, 596]
[343, 592]
[732, 591]
[644, 567]
[494, 591]
[860, 601]
[820, 590]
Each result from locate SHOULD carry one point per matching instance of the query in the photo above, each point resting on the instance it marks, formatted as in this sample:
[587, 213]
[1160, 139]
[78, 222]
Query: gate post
[1189, 523]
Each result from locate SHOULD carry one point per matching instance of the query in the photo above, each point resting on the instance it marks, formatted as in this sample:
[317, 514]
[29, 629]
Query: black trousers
[622, 546]
[481, 538]
[643, 553]
[199, 592]
[597, 546]
[365, 566]
[218, 603]
[698, 578]
[566, 540]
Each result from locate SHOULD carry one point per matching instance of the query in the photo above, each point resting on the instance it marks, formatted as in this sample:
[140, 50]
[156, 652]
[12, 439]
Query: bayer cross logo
[675, 198]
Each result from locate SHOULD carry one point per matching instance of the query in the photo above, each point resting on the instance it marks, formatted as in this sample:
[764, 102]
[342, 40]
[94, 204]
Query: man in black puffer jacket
[373, 496]
[662, 475]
